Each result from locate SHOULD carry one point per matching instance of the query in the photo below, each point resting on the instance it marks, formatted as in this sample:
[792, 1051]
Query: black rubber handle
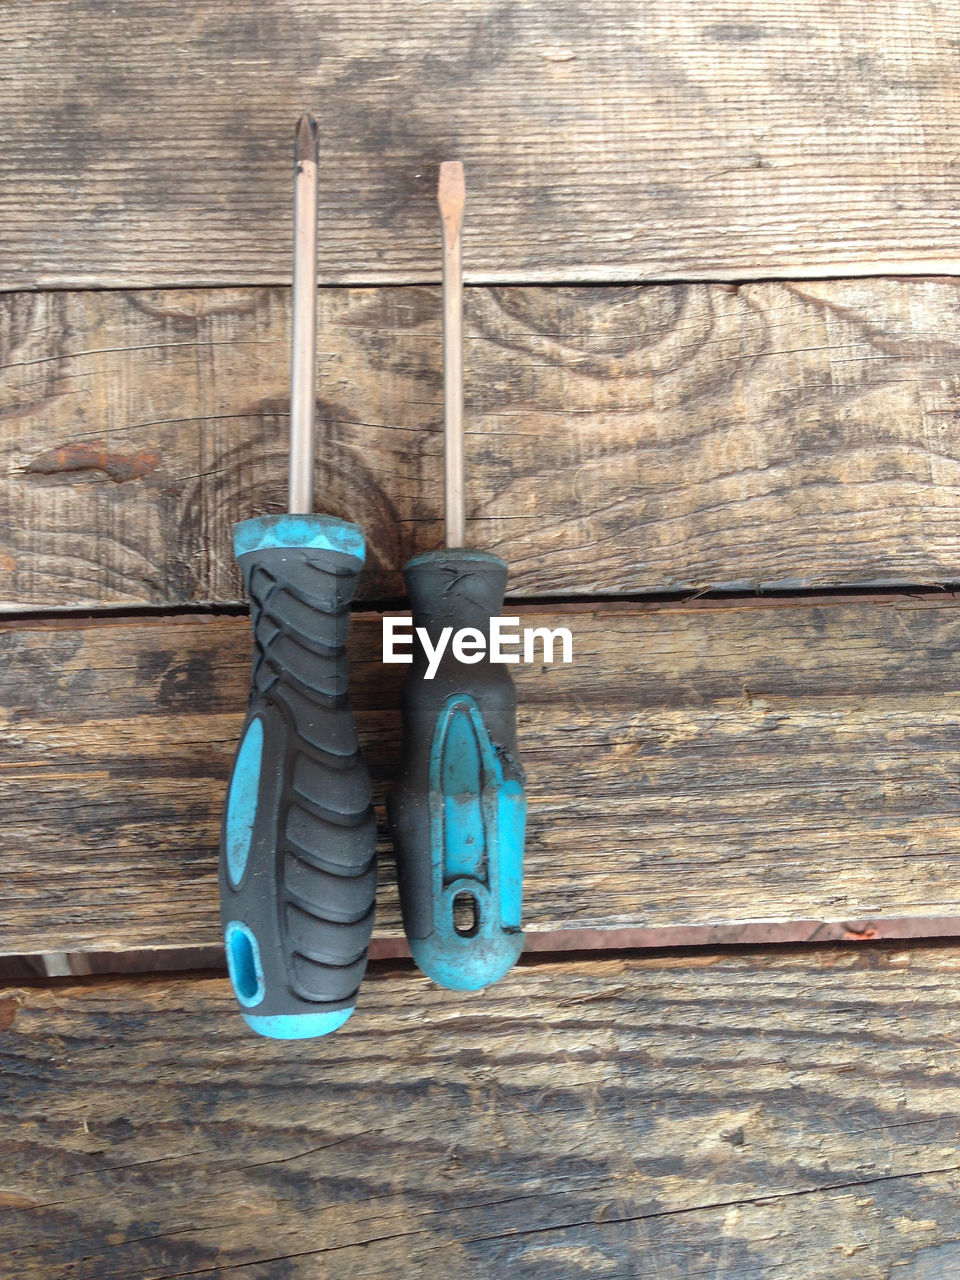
[458, 806]
[298, 866]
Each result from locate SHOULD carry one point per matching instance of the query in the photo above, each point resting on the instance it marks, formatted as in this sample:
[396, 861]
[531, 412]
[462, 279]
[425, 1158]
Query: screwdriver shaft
[304, 342]
[451, 194]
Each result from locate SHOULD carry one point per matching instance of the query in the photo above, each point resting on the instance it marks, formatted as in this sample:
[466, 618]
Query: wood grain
[694, 766]
[619, 440]
[738, 1117]
[150, 143]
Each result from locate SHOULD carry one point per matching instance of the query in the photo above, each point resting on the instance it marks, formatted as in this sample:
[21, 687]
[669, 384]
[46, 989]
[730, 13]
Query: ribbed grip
[458, 807]
[298, 853]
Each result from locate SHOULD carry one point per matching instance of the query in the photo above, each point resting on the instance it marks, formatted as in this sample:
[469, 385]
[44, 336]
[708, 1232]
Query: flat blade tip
[451, 190]
[450, 181]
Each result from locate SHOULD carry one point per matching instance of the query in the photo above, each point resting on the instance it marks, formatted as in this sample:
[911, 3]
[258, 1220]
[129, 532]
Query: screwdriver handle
[298, 868]
[459, 808]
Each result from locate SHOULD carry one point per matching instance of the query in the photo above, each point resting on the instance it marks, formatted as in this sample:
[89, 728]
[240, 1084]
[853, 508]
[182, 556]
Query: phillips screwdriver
[297, 852]
[459, 807]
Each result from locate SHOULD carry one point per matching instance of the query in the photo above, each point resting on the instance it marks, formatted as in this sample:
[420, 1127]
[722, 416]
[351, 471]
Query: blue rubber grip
[459, 807]
[298, 847]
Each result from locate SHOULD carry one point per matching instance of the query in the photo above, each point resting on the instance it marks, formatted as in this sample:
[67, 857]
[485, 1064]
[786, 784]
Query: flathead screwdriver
[458, 808]
[297, 853]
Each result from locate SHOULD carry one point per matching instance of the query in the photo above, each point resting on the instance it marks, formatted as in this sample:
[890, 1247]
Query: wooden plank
[784, 1116]
[150, 143]
[620, 440]
[694, 766]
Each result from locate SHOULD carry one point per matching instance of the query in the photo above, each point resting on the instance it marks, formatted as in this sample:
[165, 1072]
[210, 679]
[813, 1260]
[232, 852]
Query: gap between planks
[946, 593]
[540, 945]
[874, 270]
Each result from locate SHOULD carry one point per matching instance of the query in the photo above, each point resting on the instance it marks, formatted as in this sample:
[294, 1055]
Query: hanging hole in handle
[466, 914]
[244, 964]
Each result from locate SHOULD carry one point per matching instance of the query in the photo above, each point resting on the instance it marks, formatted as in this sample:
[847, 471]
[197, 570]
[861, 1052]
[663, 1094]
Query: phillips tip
[305, 142]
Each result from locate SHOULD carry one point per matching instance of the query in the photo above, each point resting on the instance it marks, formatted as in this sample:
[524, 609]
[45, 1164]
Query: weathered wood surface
[695, 765]
[740, 1117]
[150, 143]
[620, 440]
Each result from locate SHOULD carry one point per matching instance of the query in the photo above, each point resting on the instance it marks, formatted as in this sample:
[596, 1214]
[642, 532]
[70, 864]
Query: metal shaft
[304, 345]
[451, 194]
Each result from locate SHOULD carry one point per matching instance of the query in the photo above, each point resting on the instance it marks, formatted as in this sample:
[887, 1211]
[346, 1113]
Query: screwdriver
[458, 808]
[298, 866]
